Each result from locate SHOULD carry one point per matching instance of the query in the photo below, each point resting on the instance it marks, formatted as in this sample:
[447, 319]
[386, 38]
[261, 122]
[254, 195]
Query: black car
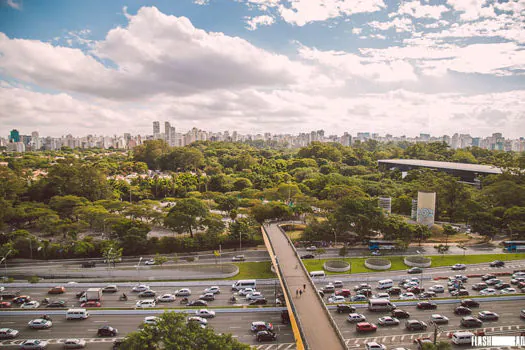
[394, 291]
[425, 305]
[497, 263]
[500, 286]
[107, 331]
[462, 310]
[343, 308]
[259, 302]
[470, 321]
[198, 303]
[415, 325]
[307, 256]
[487, 277]
[266, 336]
[469, 303]
[147, 294]
[479, 286]
[89, 264]
[58, 303]
[398, 313]
[415, 270]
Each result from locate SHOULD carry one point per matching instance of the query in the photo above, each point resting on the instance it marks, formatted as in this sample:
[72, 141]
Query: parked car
[479, 286]
[469, 321]
[461, 278]
[374, 346]
[439, 319]
[488, 291]
[258, 326]
[57, 290]
[205, 313]
[266, 336]
[213, 289]
[459, 267]
[398, 313]
[239, 258]
[8, 333]
[166, 298]
[90, 303]
[462, 310]
[307, 256]
[497, 263]
[40, 323]
[184, 292]
[355, 317]
[493, 281]
[414, 270]
[33, 344]
[198, 303]
[107, 331]
[415, 325]
[365, 327]
[426, 305]
[74, 343]
[388, 321]
[487, 277]
[508, 291]
[501, 286]
[437, 288]
[469, 303]
[345, 308]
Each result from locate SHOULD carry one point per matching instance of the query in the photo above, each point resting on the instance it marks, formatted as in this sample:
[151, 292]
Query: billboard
[426, 207]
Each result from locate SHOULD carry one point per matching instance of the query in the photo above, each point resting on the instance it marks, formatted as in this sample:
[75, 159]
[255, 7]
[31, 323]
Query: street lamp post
[138, 268]
[4, 260]
[421, 283]
[108, 257]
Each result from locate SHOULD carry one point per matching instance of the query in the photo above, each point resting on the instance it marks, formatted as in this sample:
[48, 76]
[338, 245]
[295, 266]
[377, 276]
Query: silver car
[74, 343]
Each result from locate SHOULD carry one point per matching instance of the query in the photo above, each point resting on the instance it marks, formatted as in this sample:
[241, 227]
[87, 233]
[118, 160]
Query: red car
[344, 292]
[90, 303]
[5, 304]
[416, 290]
[365, 327]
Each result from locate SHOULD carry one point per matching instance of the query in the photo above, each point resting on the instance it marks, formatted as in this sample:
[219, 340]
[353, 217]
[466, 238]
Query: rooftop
[477, 168]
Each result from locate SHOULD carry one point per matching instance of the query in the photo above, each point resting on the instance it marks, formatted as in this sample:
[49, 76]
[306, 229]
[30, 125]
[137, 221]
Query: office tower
[14, 136]
[156, 129]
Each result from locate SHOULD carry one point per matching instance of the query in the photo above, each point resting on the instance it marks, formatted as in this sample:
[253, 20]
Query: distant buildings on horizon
[22, 143]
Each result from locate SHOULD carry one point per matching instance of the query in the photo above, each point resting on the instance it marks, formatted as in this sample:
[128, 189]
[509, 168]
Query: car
[21, 299]
[74, 343]
[493, 281]
[438, 319]
[461, 278]
[459, 292]
[338, 284]
[5, 304]
[110, 288]
[414, 270]
[343, 292]
[336, 299]
[497, 263]
[246, 291]
[107, 331]
[91, 303]
[415, 325]
[151, 320]
[87, 264]
[213, 289]
[394, 291]
[198, 303]
[374, 346]
[388, 321]
[362, 286]
[258, 326]
[508, 291]
[184, 292]
[39, 323]
[437, 288]
[140, 288]
[399, 313]
[147, 294]
[57, 290]
[522, 313]
[359, 297]
[254, 295]
[365, 292]
[345, 308]
[376, 253]
[427, 295]
[410, 284]
[355, 317]
[365, 327]
[311, 248]
[266, 336]
[205, 313]
[258, 302]
[458, 267]
[31, 344]
[307, 256]
[30, 305]
[462, 310]
[8, 333]
[469, 303]
[407, 296]
[381, 296]
[145, 303]
[501, 286]
[56, 304]
[479, 286]
[517, 280]
[488, 316]
[487, 277]
[488, 291]
[202, 322]
[329, 288]
[415, 290]
[149, 262]
[166, 298]
[426, 305]
[239, 258]
[469, 321]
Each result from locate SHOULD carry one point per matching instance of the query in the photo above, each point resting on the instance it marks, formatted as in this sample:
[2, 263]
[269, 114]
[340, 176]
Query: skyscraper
[156, 128]
[14, 136]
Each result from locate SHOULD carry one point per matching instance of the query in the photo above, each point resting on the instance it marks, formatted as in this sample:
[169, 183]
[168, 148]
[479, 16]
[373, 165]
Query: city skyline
[256, 66]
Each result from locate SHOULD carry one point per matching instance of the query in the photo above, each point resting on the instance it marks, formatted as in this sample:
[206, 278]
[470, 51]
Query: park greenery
[159, 199]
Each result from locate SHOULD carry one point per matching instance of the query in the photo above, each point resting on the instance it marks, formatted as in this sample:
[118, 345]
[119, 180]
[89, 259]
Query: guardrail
[297, 328]
[314, 288]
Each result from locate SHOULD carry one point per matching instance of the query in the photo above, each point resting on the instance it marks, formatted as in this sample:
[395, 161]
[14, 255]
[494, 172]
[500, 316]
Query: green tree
[448, 230]
[65, 206]
[173, 332]
[160, 259]
[150, 152]
[186, 216]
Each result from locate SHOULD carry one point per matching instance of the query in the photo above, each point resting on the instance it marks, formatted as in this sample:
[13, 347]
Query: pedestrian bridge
[311, 322]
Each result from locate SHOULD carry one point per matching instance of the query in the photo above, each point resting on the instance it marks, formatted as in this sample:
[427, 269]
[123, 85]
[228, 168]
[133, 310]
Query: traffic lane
[238, 324]
[509, 312]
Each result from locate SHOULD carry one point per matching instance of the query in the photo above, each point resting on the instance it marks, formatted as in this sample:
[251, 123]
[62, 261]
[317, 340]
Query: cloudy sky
[280, 66]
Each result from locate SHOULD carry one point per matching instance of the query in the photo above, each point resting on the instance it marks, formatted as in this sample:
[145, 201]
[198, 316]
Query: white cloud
[399, 24]
[472, 9]
[418, 10]
[357, 31]
[201, 2]
[258, 21]
[14, 4]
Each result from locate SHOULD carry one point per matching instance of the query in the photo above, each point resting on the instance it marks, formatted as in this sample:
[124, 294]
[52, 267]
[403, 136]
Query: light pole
[4, 260]
[138, 268]
[108, 257]
[421, 283]
[240, 240]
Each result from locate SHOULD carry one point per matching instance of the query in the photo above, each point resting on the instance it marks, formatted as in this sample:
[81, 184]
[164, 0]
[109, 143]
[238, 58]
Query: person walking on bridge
[304, 287]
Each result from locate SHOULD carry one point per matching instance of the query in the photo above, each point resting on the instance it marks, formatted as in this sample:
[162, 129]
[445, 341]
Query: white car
[508, 291]
[30, 344]
[145, 303]
[459, 267]
[151, 320]
[381, 296]
[39, 323]
[74, 343]
[338, 284]
[311, 248]
[166, 298]
[254, 296]
[439, 319]
[388, 321]
[488, 291]
[213, 289]
[410, 284]
[336, 299]
[183, 292]
[239, 258]
[374, 346]
[329, 288]
[376, 253]
[149, 262]
[140, 288]
[246, 291]
[407, 296]
[30, 305]
[355, 317]
[437, 288]
[202, 321]
[205, 313]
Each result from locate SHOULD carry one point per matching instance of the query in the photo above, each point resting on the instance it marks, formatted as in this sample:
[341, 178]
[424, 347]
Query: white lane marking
[290, 346]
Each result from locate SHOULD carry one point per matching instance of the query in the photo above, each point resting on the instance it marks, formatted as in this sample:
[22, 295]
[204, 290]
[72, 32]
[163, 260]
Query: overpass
[311, 322]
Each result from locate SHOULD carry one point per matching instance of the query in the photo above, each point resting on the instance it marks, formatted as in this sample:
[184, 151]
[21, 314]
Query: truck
[92, 294]
[9, 294]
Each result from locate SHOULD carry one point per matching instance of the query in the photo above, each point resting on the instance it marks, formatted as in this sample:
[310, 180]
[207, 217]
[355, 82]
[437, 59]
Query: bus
[514, 246]
[378, 245]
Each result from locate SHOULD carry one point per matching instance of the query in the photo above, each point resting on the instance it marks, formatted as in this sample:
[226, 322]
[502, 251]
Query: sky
[280, 66]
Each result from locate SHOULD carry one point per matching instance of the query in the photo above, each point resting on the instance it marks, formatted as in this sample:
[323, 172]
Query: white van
[77, 314]
[317, 274]
[462, 338]
[385, 284]
[380, 305]
[241, 284]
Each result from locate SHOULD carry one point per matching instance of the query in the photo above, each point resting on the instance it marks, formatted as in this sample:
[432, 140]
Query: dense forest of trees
[50, 200]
